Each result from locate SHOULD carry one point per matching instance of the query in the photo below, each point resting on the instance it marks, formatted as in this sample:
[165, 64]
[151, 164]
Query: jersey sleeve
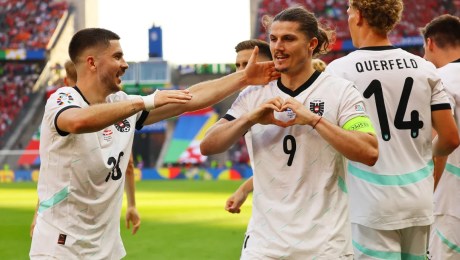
[439, 97]
[239, 106]
[351, 106]
[61, 100]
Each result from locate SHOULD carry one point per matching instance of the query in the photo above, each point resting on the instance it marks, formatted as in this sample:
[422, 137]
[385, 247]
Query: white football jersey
[81, 183]
[400, 91]
[300, 201]
[447, 194]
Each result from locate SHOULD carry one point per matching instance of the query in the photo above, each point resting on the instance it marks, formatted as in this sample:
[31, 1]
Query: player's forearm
[222, 136]
[130, 184]
[356, 146]
[439, 166]
[97, 117]
[247, 186]
[204, 94]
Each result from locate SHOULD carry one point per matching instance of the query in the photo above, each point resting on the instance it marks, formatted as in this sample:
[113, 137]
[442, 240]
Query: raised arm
[213, 91]
[97, 117]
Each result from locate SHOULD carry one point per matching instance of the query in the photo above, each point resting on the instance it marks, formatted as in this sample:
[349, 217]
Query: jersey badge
[61, 239]
[64, 98]
[359, 108]
[317, 107]
[123, 126]
[107, 135]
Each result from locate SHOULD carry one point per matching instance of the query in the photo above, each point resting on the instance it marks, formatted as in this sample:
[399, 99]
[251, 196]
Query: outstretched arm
[213, 91]
[97, 117]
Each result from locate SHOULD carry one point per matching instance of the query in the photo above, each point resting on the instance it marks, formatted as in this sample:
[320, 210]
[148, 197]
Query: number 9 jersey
[400, 92]
[300, 200]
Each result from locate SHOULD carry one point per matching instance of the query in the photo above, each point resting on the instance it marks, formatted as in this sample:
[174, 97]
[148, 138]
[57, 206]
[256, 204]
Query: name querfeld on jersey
[317, 107]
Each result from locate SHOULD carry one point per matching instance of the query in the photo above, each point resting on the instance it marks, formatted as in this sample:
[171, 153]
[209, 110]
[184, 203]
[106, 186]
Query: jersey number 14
[375, 88]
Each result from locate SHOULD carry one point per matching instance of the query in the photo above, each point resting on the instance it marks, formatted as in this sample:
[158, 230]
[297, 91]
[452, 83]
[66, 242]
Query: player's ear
[313, 43]
[91, 63]
[430, 44]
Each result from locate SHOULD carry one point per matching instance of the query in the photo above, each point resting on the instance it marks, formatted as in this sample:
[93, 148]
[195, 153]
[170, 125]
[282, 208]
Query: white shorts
[407, 243]
[445, 238]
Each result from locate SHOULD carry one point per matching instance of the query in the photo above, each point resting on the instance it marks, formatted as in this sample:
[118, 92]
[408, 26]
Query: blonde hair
[381, 15]
[319, 64]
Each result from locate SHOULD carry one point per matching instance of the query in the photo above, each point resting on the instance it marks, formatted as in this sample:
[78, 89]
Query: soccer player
[86, 137]
[243, 53]
[243, 50]
[391, 203]
[132, 215]
[301, 136]
[442, 48]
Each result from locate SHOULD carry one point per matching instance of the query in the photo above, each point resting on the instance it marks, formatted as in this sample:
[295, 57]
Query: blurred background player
[391, 203]
[299, 210]
[243, 53]
[442, 48]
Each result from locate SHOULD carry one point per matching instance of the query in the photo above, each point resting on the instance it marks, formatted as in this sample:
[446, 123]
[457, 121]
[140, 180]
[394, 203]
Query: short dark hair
[264, 47]
[444, 30]
[88, 38]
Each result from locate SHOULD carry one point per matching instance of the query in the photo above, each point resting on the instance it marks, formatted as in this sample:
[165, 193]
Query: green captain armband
[360, 123]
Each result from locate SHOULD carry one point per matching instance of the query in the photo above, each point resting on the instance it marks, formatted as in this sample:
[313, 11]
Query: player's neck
[92, 91]
[294, 80]
[369, 38]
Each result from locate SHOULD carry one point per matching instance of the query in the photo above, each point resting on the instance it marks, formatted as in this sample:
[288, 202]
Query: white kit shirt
[300, 201]
[81, 183]
[447, 194]
[400, 91]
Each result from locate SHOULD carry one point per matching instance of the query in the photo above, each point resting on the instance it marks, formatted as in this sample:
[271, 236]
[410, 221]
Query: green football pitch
[181, 219]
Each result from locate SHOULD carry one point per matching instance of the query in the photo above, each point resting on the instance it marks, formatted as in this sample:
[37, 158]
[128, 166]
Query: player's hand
[264, 113]
[235, 201]
[303, 116]
[164, 97]
[259, 73]
[132, 216]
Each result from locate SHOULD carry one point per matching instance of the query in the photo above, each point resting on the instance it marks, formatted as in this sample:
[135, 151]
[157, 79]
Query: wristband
[149, 100]
[320, 117]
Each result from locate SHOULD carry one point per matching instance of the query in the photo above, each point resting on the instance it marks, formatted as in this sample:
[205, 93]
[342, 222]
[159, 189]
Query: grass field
[180, 220]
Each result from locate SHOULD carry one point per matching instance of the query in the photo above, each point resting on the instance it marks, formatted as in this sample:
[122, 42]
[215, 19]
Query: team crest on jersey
[123, 126]
[107, 135]
[64, 98]
[317, 107]
[359, 108]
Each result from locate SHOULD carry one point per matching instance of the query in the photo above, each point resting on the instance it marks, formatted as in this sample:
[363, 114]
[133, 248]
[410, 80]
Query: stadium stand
[28, 24]
[333, 13]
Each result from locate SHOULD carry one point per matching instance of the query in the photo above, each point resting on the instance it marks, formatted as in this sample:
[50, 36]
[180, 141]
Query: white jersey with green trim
[400, 91]
[300, 202]
[447, 194]
[81, 183]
